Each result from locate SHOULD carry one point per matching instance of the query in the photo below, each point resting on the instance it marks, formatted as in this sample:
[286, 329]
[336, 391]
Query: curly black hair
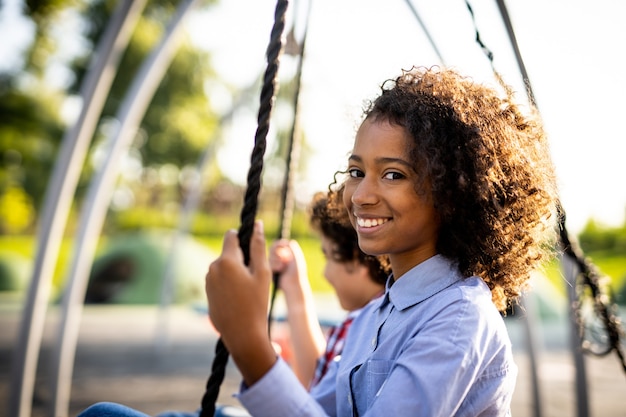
[488, 168]
[329, 217]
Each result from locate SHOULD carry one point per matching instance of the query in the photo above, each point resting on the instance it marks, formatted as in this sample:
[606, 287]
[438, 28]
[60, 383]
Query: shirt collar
[421, 282]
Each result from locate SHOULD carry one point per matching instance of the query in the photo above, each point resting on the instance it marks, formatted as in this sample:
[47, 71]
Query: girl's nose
[364, 192]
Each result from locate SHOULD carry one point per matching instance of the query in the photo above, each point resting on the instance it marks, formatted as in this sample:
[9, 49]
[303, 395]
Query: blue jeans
[106, 409]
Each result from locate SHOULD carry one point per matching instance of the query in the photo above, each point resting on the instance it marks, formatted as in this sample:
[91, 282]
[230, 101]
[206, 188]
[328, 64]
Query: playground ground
[154, 362]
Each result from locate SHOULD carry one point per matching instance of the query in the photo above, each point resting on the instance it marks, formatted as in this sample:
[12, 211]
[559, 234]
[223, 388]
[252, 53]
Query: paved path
[119, 358]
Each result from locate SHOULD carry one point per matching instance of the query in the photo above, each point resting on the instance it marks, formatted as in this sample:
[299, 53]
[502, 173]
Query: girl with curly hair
[453, 182]
[356, 277]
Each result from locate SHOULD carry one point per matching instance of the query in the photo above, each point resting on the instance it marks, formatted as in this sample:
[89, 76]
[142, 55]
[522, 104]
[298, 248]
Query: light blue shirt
[433, 345]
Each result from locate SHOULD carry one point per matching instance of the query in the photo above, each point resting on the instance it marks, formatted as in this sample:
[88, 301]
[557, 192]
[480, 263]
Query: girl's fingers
[258, 259]
[230, 246]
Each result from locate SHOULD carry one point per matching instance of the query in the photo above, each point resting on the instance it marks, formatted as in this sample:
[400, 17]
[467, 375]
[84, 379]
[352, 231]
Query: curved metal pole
[169, 278]
[570, 272]
[530, 324]
[99, 195]
[426, 31]
[518, 55]
[531, 98]
[189, 207]
[58, 200]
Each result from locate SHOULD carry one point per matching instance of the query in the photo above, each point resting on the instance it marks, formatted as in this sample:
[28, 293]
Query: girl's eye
[393, 176]
[355, 173]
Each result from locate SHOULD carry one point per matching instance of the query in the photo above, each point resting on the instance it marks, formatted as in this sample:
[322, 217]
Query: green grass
[612, 265]
[26, 246]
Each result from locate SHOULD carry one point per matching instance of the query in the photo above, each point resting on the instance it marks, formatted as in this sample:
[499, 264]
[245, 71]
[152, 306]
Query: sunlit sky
[574, 51]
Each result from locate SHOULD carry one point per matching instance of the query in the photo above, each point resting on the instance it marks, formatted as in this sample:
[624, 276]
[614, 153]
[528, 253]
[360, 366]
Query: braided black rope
[479, 41]
[589, 277]
[249, 209]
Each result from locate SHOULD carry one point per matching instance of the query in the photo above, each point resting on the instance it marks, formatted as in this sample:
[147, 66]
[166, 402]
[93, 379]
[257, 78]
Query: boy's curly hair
[329, 217]
[488, 168]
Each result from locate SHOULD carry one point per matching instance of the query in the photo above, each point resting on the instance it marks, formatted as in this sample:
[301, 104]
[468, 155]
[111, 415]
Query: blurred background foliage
[39, 99]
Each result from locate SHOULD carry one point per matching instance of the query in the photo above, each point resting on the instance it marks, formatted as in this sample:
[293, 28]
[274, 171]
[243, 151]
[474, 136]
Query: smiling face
[389, 215]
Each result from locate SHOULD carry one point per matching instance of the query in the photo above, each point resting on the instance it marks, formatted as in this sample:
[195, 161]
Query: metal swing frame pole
[570, 272]
[58, 201]
[99, 195]
[189, 207]
[529, 319]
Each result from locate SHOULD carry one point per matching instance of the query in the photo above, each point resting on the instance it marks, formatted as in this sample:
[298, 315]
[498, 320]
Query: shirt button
[374, 342]
[349, 400]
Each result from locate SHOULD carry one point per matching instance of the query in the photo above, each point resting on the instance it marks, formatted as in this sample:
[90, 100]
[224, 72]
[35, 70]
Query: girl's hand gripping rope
[238, 298]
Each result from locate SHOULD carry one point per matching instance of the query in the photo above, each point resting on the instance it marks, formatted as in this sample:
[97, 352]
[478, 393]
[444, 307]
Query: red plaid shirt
[334, 347]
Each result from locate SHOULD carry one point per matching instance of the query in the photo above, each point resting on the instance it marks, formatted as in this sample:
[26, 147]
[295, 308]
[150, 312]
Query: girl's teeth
[370, 222]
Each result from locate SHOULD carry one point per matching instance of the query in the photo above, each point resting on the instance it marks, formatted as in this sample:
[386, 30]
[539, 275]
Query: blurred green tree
[180, 118]
[39, 98]
[31, 124]
[33, 103]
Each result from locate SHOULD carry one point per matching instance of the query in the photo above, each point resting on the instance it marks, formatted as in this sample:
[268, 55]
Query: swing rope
[249, 209]
[603, 304]
[479, 41]
[293, 155]
[589, 276]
